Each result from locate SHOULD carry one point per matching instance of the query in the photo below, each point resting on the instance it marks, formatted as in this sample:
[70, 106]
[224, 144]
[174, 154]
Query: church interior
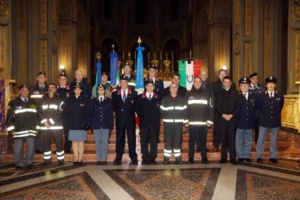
[241, 36]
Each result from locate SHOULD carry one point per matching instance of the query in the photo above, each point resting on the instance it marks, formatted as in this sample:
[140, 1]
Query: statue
[154, 61]
[167, 63]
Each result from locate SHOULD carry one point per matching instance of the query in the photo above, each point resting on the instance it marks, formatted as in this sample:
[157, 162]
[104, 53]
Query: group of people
[47, 110]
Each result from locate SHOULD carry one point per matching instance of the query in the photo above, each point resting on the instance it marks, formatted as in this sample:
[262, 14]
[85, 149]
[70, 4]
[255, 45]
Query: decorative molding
[295, 12]
[43, 55]
[267, 15]
[3, 50]
[248, 58]
[297, 63]
[248, 17]
[236, 43]
[43, 17]
[4, 8]
[22, 14]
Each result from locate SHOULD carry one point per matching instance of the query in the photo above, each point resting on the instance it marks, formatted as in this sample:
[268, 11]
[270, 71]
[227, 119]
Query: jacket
[102, 113]
[85, 86]
[173, 110]
[248, 110]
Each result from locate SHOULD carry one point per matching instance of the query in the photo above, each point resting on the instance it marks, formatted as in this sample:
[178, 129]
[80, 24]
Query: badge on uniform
[191, 98]
[18, 107]
[36, 92]
[81, 104]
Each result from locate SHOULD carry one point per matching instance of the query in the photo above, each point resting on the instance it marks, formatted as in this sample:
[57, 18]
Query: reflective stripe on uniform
[10, 128]
[36, 96]
[197, 123]
[199, 101]
[167, 108]
[53, 106]
[51, 121]
[173, 120]
[167, 153]
[51, 128]
[25, 110]
[180, 107]
[177, 152]
[210, 122]
[43, 121]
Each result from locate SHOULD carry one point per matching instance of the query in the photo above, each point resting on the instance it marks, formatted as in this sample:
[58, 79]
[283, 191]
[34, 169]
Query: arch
[110, 39]
[172, 46]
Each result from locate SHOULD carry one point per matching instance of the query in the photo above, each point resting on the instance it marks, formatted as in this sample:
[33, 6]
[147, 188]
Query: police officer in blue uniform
[270, 106]
[246, 121]
[124, 104]
[256, 88]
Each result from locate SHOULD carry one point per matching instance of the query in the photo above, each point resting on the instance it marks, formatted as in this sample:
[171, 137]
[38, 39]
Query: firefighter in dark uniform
[270, 106]
[256, 88]
[173, 113]
[124, 104]
[64, 92]
[36, 93]
[228, 106]
[50, 112]
[199, 116]
[21, 123]
[246, 121]
[148, 111]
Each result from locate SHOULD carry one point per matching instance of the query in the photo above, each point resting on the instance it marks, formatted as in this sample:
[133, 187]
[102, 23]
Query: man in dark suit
[159, 84]
[228, 106]
[148, 111]
[217, 87]
[270, 106]
[124, 103]
[181, 90]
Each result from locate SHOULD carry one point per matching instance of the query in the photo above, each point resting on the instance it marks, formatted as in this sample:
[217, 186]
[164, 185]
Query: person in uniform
[199, 116]
[101, 123]
[77, 113]
[21, 123]
[256, 88]
[228, 106]
[50, 112]
[85, 86]
[217, 87]
[148, 112]
[124, 103]
[36, 93]
[246, 119]
[173, 113]
[270, 106]
[106, 84]
[175, 79]
[64, 92]
[129, 76]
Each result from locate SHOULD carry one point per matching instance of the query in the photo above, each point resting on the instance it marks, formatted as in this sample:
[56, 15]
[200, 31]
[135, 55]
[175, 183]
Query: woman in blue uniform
[77, 118]
[101, 122]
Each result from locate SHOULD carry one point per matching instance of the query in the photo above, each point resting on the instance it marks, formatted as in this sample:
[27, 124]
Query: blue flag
[98, 77]
[114, 74]
[139, 79]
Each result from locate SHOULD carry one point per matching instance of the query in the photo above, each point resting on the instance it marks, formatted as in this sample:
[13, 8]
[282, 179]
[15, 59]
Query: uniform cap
[244, 80]
[271, 79]
[63, 74]
[123, 77]
[152, 66]
[150, 81]
[127, 65]
[78, 85]
[42, 73]
[101, 86]
[23, 86]
[253, 74]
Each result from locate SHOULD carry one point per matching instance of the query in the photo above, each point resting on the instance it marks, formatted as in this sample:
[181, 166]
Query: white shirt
[148, 94]
[246, 95]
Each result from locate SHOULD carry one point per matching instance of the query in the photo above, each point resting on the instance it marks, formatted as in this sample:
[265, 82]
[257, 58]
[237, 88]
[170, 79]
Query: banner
[114, 74]
[98, 77]
[139, 78]
[188, 72]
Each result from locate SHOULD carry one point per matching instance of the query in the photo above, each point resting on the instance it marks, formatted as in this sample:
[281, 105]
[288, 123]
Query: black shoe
[19, 168]
[61, 163]
[153, 162]
[98, 163]
[79, 163]
[178, 161]
[259, 160]
[241, 160]
[134, 162]
[103, 163]
[75, 163]
[117, 162]
[30, 167]
[146, 162]
[273, 160]
[233, 161]
[222, 161]
[248, 160]
[204, 161]
[166, 161]
[191, 160]
[38, 151]
[46, 163]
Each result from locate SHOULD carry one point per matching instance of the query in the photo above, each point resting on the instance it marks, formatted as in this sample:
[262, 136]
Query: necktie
[271, 95]
[124, 96]
[101, 100]
[245, 95]
[149, 97]
[25, 100]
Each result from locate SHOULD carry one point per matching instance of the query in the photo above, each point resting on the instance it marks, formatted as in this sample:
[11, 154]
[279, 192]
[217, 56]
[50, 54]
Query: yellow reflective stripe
[53, 106]
[36, 96]
[210, 122]
[51, 128]
[51, 121]
[173, 120]
[43, 121]
[25, 110]
[46, 153]
[167, 108]
[195, 101]
[10, 128]
[60, 153]
[197, 123]
[180, 107]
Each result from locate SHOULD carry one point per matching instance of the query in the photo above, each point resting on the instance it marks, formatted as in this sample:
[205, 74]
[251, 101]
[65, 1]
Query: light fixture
[62, 68]
[224, 67]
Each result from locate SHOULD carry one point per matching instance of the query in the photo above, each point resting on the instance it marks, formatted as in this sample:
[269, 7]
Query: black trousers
[145, 134]
[172, 135]
[201, 133]
[228, 132]
[256, 129]
[129, 127]
[48, 135]
[216, 131]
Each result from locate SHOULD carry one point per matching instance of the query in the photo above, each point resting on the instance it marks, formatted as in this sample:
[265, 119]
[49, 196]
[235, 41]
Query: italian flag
[187, 72]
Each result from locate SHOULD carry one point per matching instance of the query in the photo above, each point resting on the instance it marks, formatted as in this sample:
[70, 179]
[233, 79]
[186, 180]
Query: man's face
[62, 80]
[51, 89]
[150, 87]
[227, 83]
[104, 79]
[77, 91]
[271, 86]
[197, 83]
[101, 91]
[244, 87]
[78, 76]
[127, 70]
[175, 80]
[254, 80]
[41, 79]
[24, 92]
[124, 84]
[173, 89]
[203, 75]
[152, 72]
[222, 74]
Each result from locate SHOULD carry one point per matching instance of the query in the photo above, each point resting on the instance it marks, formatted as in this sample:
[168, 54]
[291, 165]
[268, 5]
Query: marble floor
[197, 181]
